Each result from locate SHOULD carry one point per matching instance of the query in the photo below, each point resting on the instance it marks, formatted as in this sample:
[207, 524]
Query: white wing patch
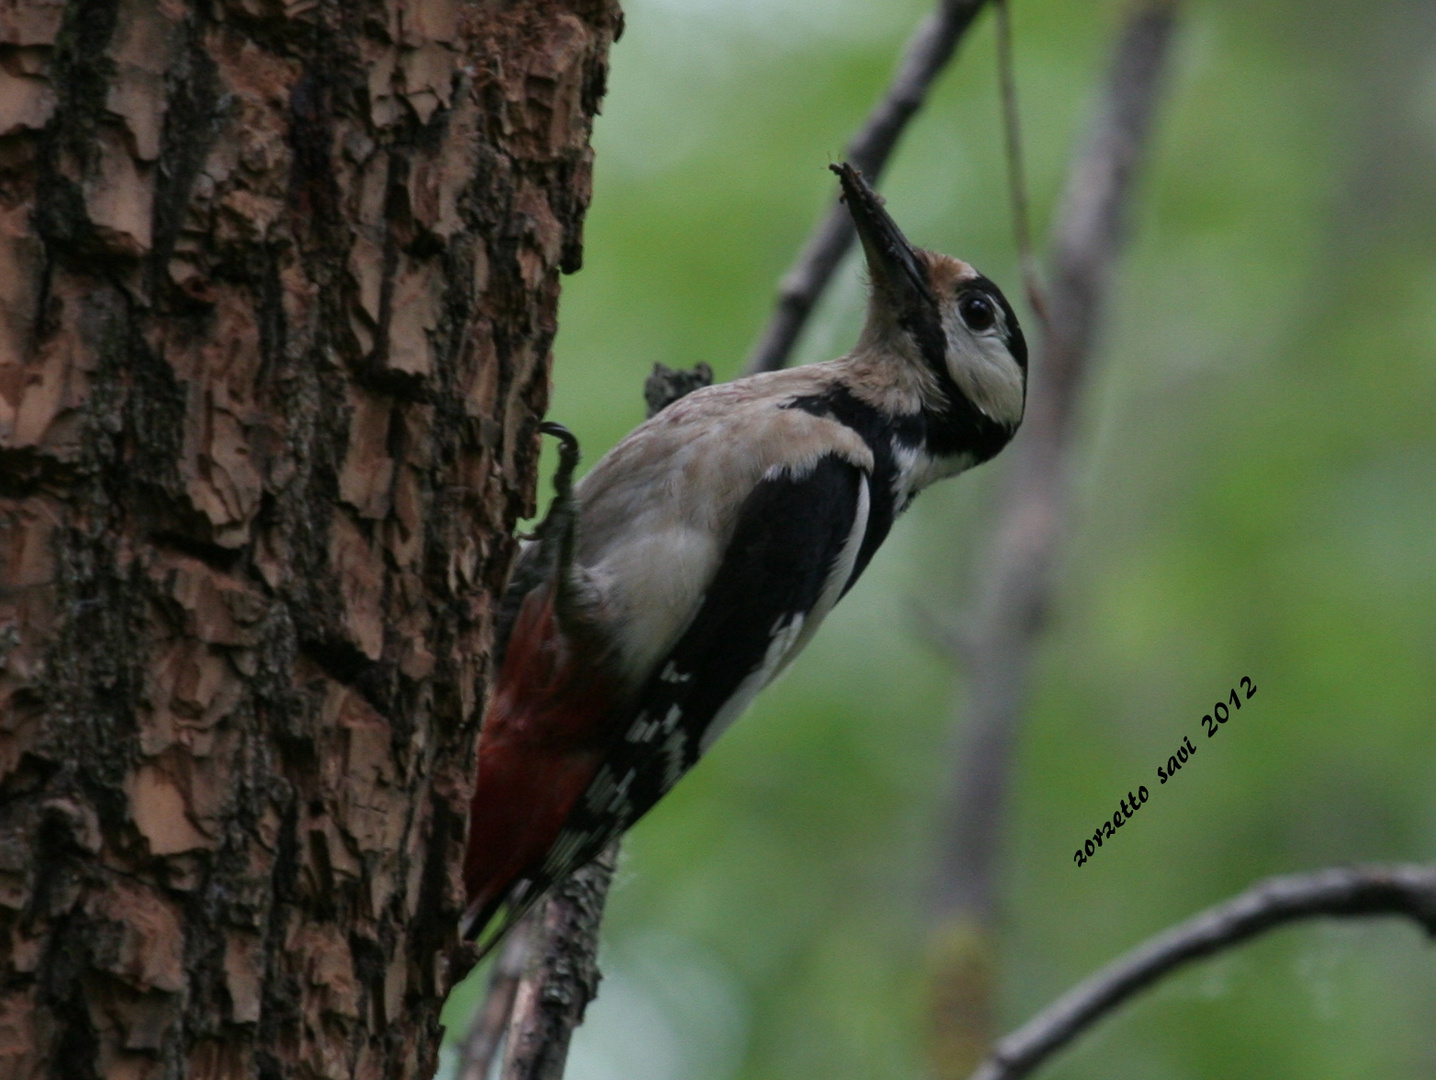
[674, 754]
[565, 848]
[671, 674]
[644, 730]
[842, 571]
[784, 634]
[605, 794]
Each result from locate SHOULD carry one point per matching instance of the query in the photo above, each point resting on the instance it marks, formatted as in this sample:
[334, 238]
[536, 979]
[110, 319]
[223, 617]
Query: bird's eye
[977, 311]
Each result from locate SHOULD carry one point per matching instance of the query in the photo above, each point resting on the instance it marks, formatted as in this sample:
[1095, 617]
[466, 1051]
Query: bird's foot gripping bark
[554, 536]
[559, 521]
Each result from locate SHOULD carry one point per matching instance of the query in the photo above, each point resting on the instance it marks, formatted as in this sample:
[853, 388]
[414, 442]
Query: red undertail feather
[539, 749]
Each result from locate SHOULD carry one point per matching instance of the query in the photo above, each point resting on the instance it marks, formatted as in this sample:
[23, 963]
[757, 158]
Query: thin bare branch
[1349, 892]
[486, 1029]
[1092, 218]
[925, 55]
[1030, 515]
[1031, 502]
[561, 976]
[948, 635]
[1016, 170]
[666, 385]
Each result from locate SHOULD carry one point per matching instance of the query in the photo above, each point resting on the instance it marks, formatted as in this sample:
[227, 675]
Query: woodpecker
[698, 557]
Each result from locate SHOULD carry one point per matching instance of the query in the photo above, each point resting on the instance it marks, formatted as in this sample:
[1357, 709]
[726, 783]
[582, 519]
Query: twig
[1016, 171]
[1348, 892]
[925, 55]
[486, 1029]
[949, 636]
[666, 385]
[1032, 496]
[561, 977]
[1031, 510]
[1093, 215]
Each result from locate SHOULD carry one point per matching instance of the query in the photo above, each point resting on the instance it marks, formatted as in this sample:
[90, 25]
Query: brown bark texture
[278, 282]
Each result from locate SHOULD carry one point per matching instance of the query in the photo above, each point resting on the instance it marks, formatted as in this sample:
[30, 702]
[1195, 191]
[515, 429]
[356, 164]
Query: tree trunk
[278, 282]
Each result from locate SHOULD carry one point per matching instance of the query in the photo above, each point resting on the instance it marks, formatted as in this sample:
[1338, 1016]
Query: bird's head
[953, 329]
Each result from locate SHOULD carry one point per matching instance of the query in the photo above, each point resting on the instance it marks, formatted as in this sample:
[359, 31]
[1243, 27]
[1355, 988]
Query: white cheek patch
[984, 370]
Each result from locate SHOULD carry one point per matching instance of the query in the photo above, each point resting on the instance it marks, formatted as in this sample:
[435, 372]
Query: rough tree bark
[278, 283]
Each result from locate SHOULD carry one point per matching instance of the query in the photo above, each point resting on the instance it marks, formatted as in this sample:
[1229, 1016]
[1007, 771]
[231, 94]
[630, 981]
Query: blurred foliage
[1256, 496]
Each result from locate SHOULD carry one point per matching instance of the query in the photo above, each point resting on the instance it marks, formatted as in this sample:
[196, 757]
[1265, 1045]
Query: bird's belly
[521, 802]
[664, 574]
[552, 713]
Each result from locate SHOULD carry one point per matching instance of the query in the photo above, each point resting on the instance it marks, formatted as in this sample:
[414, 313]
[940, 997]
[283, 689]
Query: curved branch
[1407, 890]
[926, 54]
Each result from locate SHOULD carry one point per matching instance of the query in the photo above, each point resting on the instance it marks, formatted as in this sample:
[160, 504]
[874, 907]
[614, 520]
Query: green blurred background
[1256, 495]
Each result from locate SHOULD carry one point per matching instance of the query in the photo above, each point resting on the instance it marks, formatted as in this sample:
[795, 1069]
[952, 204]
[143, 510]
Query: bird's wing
[792, 553]
[658, 512]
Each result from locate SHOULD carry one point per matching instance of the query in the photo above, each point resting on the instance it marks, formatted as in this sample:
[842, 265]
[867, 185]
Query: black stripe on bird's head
[955, 320]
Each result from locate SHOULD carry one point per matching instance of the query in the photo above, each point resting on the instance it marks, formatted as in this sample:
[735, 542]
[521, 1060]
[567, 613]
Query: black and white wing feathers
[793, 552]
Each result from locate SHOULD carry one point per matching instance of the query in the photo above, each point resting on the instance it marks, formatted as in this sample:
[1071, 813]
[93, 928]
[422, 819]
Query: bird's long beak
[893, 263]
